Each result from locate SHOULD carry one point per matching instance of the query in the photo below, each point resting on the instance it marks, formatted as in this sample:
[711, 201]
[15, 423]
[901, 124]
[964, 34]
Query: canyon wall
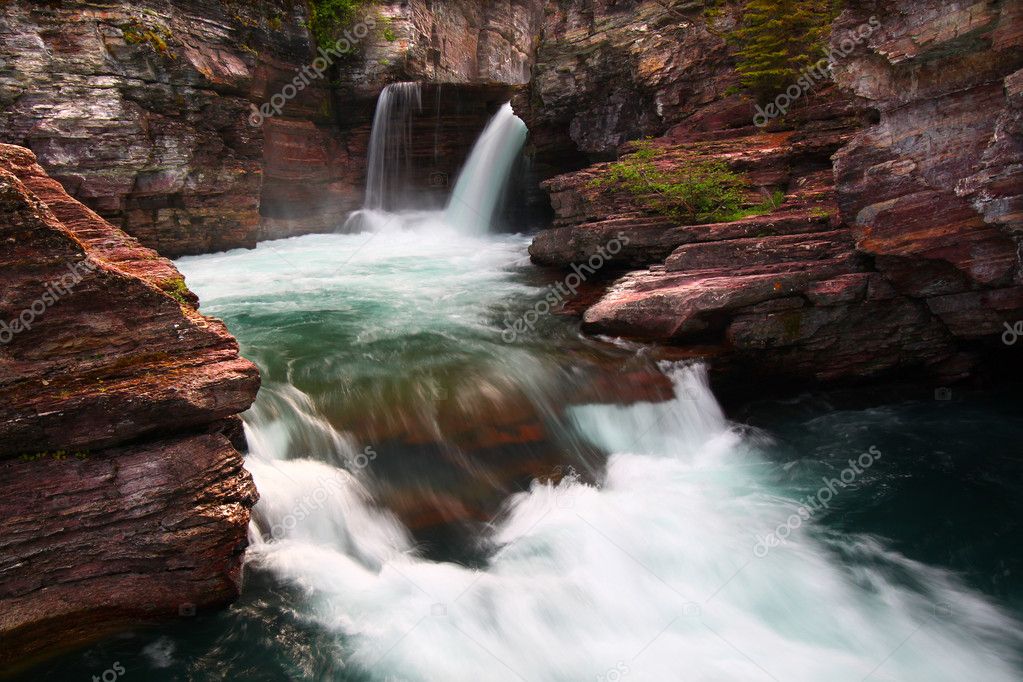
[934, 190]
[145, 111]
[122, 497]
[609, 72]
[141, 109]
[896, 248]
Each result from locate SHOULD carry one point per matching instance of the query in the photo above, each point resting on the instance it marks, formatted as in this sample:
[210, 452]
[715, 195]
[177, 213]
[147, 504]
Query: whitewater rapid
[651, 574]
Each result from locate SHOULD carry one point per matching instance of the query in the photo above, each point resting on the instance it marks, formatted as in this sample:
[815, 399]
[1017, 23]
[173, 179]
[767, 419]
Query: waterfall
[390, 146]
[650, 569]
[472, 204]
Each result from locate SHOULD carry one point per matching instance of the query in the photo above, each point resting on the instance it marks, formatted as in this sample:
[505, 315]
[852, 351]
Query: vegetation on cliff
[777, 39]
[327, 18]
[694, 192]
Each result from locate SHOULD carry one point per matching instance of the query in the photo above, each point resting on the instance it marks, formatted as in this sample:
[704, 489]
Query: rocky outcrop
[117, 429]
[611, 71]
[142, 110]
[897, 246]
[447, 41]
[934, 190]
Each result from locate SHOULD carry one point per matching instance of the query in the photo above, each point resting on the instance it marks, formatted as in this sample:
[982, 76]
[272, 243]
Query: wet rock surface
[117, 429]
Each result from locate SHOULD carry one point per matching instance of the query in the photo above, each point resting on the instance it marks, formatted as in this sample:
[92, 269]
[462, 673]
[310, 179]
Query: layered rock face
[122, 497]
[934, 191]
[142, 110]
[901, 255]
[446, 41]
[608, 72]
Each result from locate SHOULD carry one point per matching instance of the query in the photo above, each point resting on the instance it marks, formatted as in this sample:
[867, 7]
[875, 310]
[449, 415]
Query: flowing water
[440, 502]
[390, 146]
[479, 187]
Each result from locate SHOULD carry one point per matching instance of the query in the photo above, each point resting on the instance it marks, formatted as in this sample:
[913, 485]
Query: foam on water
[652, 574]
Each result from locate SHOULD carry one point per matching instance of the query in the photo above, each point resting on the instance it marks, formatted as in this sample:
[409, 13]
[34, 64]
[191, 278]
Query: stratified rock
[142, 110]
[611, 71]
[104, 542]
[93, 354]
[910, 263]
[934, 190]
[122, 497]
[447, 41]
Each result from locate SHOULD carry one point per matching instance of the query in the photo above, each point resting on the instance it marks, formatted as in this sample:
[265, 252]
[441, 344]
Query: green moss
[156, 36]
[59, 455]
[329, 18]
[389, 35]
[696, 191]
[176, 289]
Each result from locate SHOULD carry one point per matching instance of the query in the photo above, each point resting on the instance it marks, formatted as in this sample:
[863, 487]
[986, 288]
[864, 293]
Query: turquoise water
[552, 507]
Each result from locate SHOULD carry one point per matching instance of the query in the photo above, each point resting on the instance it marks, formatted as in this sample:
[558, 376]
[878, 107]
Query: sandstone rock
[905, 265]
[117, 432]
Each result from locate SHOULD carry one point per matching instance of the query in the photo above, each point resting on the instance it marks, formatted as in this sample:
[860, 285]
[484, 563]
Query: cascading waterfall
[652, 574]
[478, 190]
[649, 573]
[480, 184]
[390, 146]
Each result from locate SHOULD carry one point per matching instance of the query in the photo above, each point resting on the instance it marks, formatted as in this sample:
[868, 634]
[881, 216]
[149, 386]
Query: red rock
[128, 536]
[878, 259]
[116, 429]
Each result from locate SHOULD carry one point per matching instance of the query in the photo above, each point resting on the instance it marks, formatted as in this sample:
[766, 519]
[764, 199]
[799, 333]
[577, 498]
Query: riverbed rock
[117, 428]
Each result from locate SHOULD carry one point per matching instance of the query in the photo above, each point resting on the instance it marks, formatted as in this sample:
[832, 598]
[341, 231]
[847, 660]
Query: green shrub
[328, 18]
[776, 40]
[700, 191]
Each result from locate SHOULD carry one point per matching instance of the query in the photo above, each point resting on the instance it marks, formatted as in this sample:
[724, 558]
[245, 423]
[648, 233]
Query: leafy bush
[327, 18]
[700, 191]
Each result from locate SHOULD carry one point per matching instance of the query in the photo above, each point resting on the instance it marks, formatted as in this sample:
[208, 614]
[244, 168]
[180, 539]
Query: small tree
[777, 39]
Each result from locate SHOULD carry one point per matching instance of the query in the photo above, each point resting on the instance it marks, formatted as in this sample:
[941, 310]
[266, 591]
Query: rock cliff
[144, 110]
[897, 246]
[122, 495]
